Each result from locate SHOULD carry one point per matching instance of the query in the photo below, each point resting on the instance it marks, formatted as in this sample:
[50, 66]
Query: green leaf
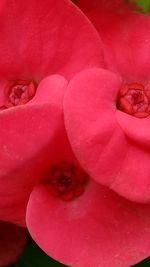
[35, 257]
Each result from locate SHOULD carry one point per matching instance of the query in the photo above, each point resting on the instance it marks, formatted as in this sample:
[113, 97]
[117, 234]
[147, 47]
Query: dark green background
[35, 257]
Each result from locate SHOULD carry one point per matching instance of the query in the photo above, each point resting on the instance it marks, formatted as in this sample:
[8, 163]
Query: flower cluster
[74, 140]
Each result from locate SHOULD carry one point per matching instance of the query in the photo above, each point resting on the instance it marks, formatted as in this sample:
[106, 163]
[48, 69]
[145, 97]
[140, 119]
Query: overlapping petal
[26, 145]
[45, 37]
[37, 39]
[126, 42]
[94, 133]
[97, 229]
[136, 129]
[109, 148]
[12, 242]
[80, 232]
[133, 179]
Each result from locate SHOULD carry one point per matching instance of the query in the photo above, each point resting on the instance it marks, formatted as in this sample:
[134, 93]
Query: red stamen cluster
[18, 93]
[134, 99]
[67, 181]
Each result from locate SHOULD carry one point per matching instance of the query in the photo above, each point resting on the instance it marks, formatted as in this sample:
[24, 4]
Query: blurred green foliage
[144, 4]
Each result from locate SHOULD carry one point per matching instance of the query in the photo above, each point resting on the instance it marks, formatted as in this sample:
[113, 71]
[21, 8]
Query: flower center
[134, 99]
[18, 93]
[67, 181]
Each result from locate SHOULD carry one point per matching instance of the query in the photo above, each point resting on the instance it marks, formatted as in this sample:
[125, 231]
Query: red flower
[101, 228]
[38, 38]
[114, 149]
[71, 217]
[12, 243]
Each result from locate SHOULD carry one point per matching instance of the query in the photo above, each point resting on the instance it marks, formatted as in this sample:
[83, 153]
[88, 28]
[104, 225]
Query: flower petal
[96, 138]
[133, 180]
[136, 129]
[126, 39]
[111, 146]
[12, 242]
[46, 37]
[27, 136]
[97, 229]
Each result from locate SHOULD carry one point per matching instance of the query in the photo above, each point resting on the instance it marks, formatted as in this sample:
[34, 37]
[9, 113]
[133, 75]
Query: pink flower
[71, 217]
[12, 243]
[114, 148]
[38, 38]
